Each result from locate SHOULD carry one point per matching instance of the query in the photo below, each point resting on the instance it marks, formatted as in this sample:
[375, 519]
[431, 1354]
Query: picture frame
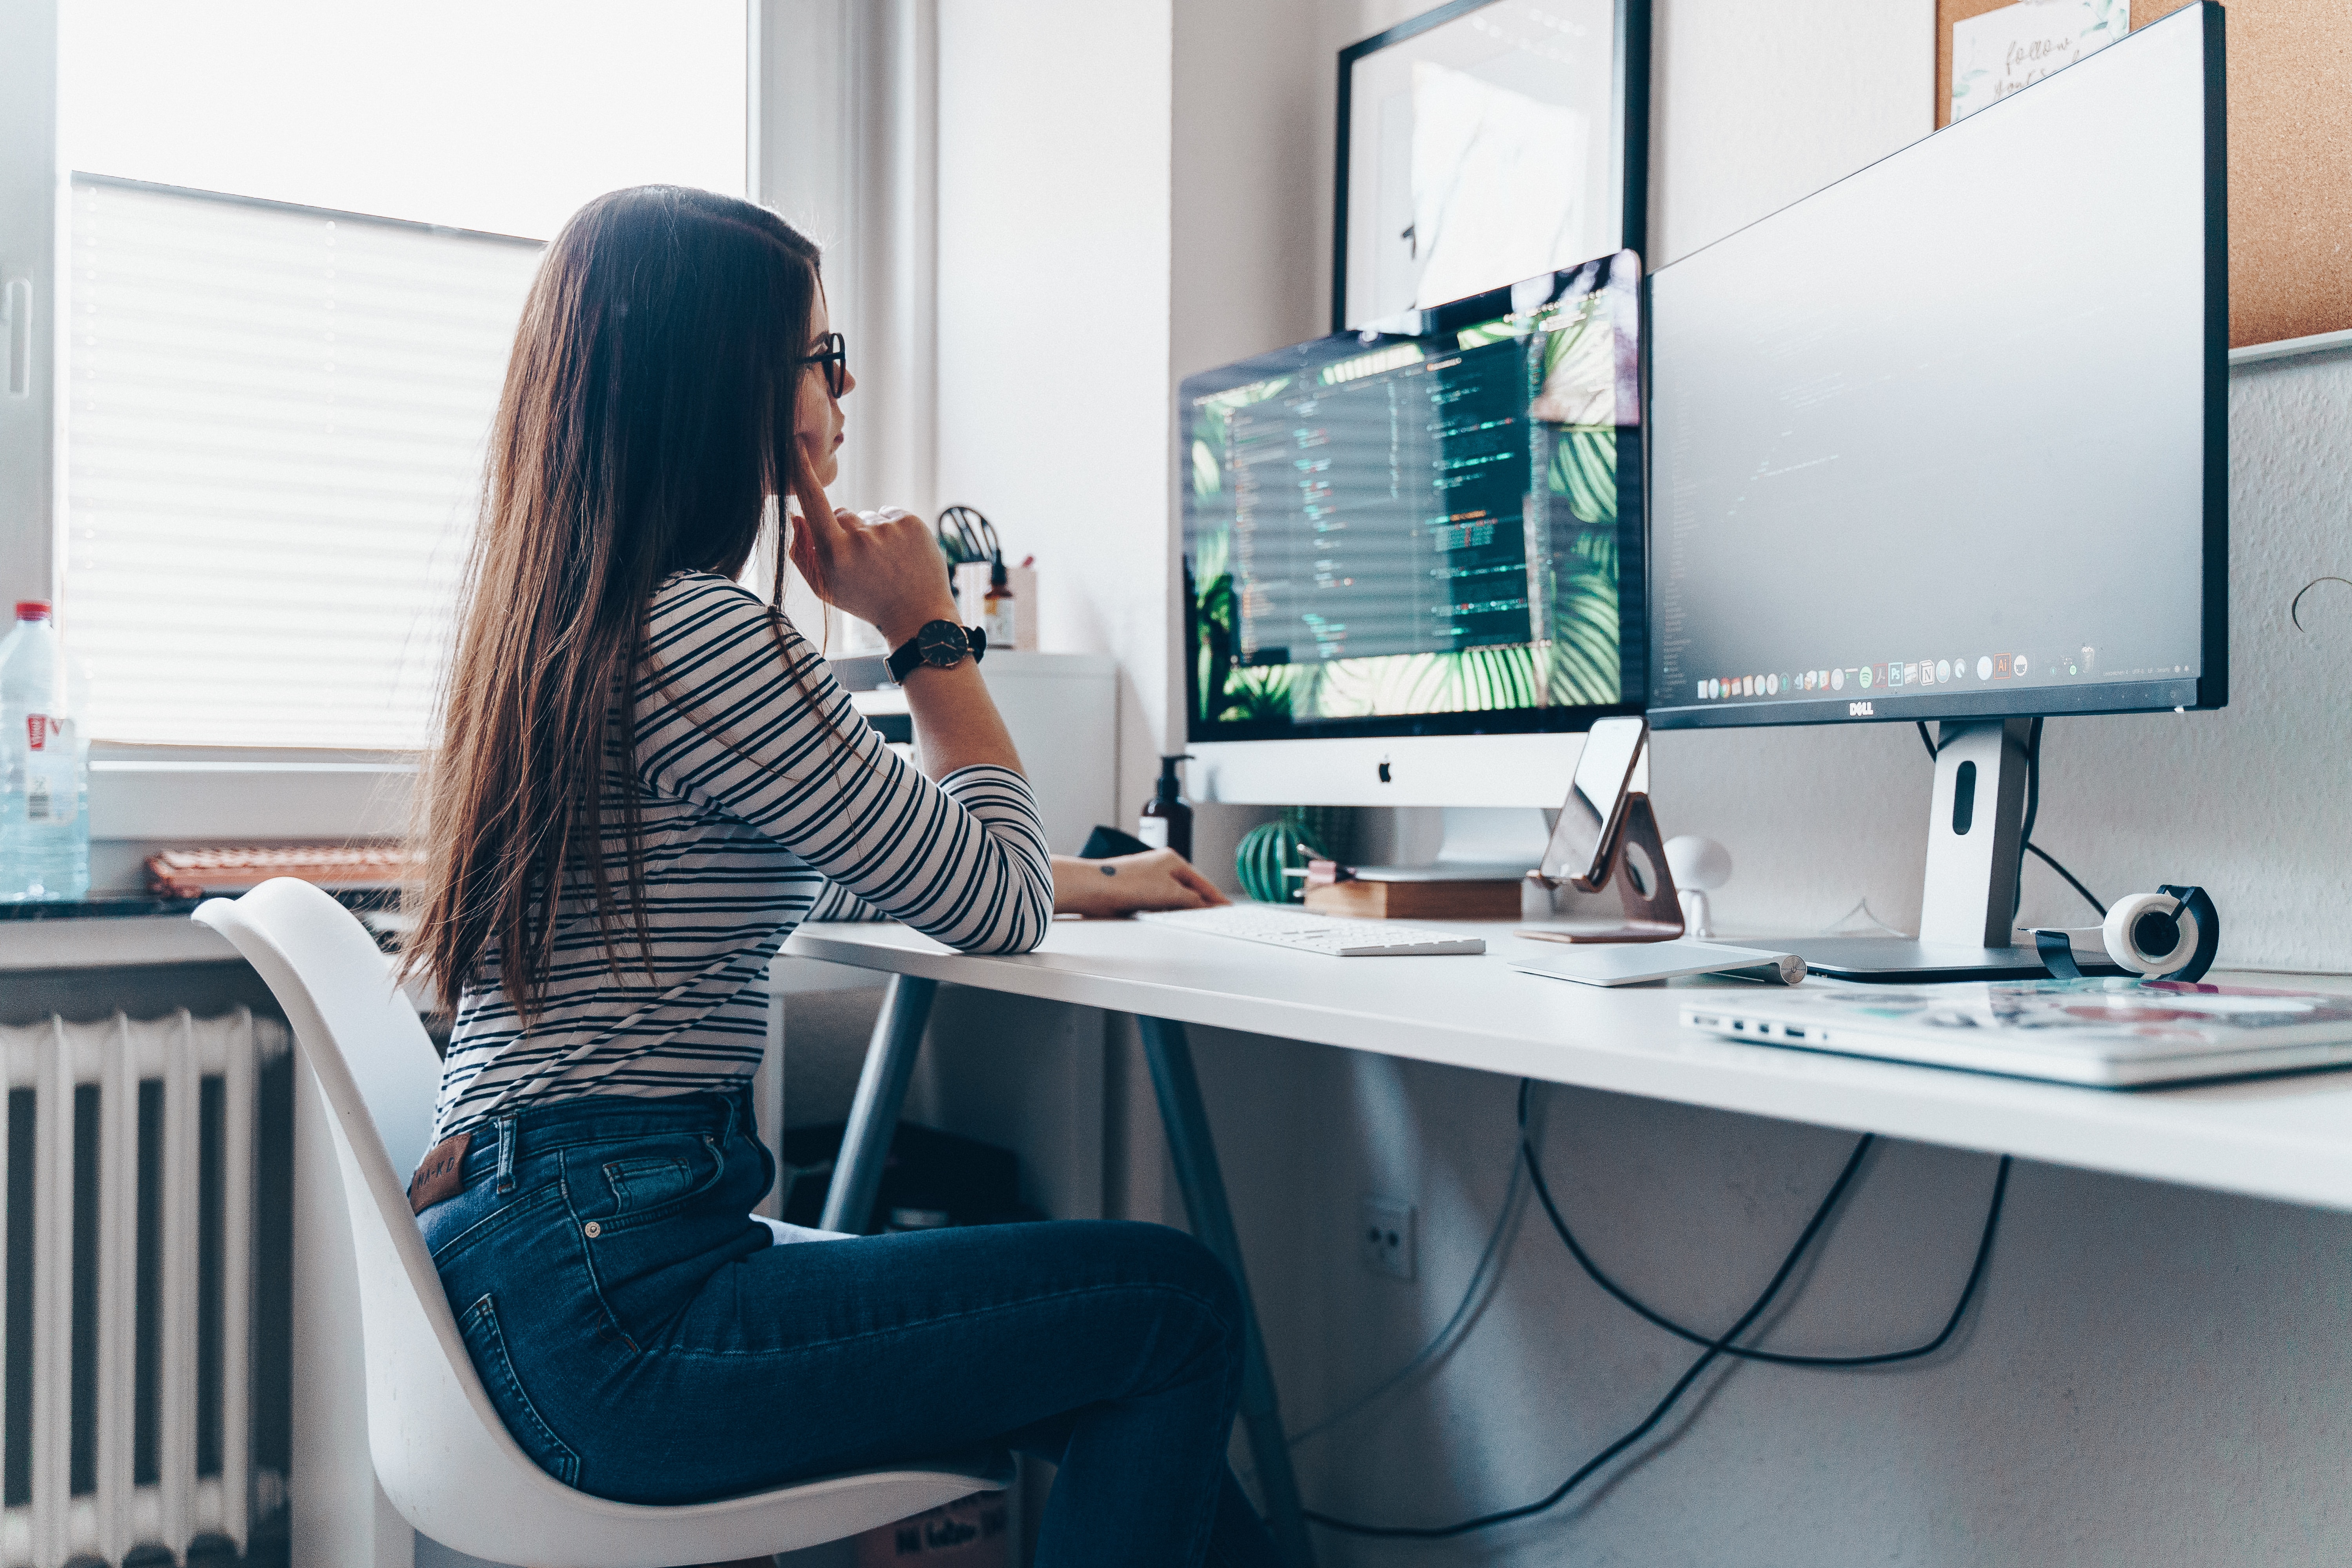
[2073, 26]
[1447, 120]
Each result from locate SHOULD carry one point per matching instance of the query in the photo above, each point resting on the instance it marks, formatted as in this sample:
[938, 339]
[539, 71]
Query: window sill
[154, 794]
[145, 798]
[131, 942]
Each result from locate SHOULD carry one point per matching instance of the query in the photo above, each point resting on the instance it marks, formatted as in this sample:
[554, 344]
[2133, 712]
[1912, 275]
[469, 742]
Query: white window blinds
[273, 450]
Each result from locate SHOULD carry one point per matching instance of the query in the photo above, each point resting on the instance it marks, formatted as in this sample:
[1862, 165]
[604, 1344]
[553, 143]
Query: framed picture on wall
[1485, 141]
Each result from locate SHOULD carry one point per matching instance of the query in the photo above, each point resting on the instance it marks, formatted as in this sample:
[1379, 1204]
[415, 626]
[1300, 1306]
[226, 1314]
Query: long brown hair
[646, 419]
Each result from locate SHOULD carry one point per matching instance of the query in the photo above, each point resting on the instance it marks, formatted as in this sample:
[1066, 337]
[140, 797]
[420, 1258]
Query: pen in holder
[998, 597]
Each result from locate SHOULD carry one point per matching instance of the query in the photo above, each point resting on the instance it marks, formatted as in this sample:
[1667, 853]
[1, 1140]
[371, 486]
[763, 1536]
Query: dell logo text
[1859, 711]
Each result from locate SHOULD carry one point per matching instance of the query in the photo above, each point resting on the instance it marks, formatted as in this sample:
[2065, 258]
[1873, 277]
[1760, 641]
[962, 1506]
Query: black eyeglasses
[836, 360]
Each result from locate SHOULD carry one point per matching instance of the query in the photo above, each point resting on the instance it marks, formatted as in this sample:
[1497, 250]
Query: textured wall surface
[2151, 1376]
[1055, 384]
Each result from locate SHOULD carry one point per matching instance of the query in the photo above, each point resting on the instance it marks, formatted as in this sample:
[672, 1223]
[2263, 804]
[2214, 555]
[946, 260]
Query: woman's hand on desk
[1124, 884]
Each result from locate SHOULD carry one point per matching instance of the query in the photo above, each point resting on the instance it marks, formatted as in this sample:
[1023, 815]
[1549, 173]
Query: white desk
[2285, 1138]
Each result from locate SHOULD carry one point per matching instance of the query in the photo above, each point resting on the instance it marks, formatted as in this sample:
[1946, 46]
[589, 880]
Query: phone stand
[1641, 907]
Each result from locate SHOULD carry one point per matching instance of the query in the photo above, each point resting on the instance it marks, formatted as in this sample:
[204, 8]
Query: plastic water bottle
[43, 763]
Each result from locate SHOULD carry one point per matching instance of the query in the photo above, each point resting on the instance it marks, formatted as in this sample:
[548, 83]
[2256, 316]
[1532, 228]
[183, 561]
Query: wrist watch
[942, 645]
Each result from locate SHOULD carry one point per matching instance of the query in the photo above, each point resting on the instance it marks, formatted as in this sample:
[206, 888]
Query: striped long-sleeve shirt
[763, 799]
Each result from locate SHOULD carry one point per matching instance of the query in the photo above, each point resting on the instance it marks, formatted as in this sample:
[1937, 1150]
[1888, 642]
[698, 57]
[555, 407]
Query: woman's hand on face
[1155, 879]
[884, 568]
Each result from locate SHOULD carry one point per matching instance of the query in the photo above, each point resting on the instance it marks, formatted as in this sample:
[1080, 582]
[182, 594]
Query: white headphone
[2170, 934]
[2150, 934]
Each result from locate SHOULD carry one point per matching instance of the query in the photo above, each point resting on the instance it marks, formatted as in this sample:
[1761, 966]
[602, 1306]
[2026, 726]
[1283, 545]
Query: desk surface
[2285, 1138]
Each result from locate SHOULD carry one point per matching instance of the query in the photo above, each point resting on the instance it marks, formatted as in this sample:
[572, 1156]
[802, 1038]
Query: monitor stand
[1968, 908]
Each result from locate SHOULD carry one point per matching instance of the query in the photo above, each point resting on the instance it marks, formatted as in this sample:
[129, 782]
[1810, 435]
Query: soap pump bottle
[1166, 820]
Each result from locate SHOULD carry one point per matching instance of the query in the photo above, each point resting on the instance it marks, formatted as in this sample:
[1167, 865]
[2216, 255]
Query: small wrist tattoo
[1110, 871]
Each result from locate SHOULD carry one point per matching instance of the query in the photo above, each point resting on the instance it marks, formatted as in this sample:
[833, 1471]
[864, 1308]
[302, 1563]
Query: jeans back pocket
[486, 1343]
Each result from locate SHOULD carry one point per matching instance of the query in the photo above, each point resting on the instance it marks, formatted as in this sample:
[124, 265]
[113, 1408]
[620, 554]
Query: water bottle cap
[32, 609]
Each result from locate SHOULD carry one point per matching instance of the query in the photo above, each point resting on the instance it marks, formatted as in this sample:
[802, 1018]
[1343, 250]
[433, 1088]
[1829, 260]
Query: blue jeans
[646, 1343]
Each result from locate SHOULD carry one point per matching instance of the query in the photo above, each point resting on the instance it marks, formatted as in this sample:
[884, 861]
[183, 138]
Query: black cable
[1714, 1348]
[2033, 810]
[2072, 880]
[1627, 1298]
[1657, 1413]
[2033, 779]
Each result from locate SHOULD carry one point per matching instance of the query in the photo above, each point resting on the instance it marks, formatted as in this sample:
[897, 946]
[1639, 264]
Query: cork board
[2290, 131]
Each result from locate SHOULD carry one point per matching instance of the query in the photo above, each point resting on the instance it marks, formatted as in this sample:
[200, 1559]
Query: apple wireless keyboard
[1302, 932]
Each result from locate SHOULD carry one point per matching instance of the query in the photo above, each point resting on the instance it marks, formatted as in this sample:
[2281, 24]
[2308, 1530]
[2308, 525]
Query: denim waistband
[536, 1130]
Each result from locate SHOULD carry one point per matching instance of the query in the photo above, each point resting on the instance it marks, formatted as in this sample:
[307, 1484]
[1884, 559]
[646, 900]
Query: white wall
[2150, 1379]
[1055, 382]
[1250, 268]
[28, 210]
[1053, 298]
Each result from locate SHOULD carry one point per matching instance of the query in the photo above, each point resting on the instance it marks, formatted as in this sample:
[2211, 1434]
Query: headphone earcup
[2149, 933]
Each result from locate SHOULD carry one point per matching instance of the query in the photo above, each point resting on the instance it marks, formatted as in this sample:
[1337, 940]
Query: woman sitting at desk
[645, 780]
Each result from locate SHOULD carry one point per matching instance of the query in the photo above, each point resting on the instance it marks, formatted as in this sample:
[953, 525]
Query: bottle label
[51, 796]
[1152, 830]
[48, 793]
[997, 621]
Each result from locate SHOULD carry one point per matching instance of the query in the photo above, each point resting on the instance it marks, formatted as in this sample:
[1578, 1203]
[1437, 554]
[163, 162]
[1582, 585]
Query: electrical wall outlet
[1384, 1237]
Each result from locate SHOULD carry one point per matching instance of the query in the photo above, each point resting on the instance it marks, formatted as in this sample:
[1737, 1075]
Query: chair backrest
[438, 1444]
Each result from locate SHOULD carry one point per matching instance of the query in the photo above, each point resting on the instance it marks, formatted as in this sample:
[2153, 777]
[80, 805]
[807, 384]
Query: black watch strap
[942, 644]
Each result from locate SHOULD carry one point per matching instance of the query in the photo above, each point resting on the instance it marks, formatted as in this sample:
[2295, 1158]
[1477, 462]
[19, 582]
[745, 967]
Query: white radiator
[130, 1153]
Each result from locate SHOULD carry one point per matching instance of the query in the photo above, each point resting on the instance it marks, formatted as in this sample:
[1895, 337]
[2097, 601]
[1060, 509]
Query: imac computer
[1413, 553]
[1946, 441]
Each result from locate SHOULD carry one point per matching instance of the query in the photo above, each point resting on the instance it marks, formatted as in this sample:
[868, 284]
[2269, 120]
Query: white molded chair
[441, 1452]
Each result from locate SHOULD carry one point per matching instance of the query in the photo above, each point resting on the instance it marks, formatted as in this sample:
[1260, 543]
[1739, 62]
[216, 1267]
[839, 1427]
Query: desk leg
[1169, 1056]
[873, 1114]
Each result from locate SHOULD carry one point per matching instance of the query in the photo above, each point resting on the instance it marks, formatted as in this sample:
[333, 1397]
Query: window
[296, 241]
[275, 416]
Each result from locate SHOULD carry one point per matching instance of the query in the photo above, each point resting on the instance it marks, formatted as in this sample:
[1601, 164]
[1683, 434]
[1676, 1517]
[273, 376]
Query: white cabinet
[1063, 711]
[1026, 1080]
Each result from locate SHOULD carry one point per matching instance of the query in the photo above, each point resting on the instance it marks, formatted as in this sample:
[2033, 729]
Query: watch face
[942, 644]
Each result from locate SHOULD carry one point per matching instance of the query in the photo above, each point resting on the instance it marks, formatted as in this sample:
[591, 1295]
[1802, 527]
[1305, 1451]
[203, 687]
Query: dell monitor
[1946, 441]
[1412, 553]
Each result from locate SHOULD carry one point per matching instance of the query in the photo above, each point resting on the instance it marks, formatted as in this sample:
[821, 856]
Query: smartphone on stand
[1595, 807]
